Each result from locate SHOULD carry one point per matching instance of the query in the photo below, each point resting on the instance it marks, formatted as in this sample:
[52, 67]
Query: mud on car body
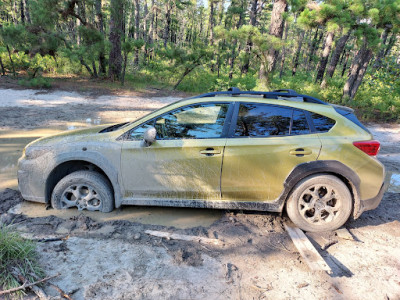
[265, 151]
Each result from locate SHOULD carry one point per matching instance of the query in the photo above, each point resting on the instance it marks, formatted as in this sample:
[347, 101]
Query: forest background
[343, 51]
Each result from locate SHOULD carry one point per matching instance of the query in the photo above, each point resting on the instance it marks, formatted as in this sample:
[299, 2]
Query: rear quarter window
[322, 123]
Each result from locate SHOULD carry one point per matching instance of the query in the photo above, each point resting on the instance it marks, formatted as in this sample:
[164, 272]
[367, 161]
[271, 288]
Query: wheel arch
[67, 165]
[330, 167]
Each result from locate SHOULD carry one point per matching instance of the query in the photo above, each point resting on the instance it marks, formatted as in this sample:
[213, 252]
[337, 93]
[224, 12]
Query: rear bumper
[373, 203]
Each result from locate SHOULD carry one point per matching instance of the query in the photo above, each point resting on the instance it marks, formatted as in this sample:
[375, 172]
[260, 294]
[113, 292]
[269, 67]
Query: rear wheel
[319, 203]
[84, 190]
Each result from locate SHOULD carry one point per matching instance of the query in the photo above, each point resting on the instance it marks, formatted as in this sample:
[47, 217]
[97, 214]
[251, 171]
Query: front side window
[261, 120]
[136, 134]
[197, 121]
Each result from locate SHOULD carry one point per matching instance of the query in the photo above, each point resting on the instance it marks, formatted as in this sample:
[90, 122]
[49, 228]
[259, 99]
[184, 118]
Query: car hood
[69, 136]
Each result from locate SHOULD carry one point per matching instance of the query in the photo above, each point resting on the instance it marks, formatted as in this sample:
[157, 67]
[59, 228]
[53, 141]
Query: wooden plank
[176, 236]
[343, 233]
[311, 256]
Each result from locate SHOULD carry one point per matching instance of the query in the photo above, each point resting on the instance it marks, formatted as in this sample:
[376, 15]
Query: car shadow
[388, 211]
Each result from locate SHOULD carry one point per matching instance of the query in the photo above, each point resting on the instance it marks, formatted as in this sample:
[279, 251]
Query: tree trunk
[232, 59]
[345, 63]
[124, 69]
[341, 43]
[314, 47]
[155, 36]
[275, 29]
[187, 71]
[391, 43]
[14, 12]
[168, 25]
[11, 60]
[324, 56]
[298, 50]
[151, 25]
[87, 67]
[100, 27]
[357, 72]
[145, 16]
[95, 75]
[26, 11]
[115, 58]
[22, 11]
[211, 23]
[361, 72]
[3, 71]
[137, 30]
[284, 50]
[249, 46]
[378, 60]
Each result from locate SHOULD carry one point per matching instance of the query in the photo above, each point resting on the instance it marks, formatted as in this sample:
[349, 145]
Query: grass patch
[17, 254]
[37, 82]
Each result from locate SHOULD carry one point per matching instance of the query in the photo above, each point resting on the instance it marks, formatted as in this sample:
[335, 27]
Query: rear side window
[259, 120]
[299, 123]
[322, 123]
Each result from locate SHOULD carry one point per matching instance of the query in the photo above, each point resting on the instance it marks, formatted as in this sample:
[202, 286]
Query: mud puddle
[12, 142]
[177, 217]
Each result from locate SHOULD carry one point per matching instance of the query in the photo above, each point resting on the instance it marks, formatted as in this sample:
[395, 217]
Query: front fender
[108, 162]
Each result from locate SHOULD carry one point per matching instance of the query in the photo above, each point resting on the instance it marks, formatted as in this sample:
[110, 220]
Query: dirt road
[113, 258]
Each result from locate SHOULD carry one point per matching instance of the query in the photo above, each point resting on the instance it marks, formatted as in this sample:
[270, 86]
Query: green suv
[264, 151]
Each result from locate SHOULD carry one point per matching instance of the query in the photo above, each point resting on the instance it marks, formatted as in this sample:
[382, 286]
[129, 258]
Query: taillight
[370, 147]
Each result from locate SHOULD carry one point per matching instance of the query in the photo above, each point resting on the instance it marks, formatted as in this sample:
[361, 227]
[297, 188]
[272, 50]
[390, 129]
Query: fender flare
[96, 159]
[333, 167]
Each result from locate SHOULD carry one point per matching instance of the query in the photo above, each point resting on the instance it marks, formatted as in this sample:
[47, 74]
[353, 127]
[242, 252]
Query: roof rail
[275, 94]
[289, 91]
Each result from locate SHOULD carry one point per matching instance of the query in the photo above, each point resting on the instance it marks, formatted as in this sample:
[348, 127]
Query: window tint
[263, 120]
[194, 122]
[300, 124]
[322, 123]
[137, 133]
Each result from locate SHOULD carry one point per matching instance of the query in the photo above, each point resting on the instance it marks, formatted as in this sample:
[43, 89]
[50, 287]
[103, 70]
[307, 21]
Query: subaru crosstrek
[263, 151]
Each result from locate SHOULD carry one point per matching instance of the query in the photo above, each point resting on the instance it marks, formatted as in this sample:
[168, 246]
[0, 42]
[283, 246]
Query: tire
[92, 188]
[316, 212]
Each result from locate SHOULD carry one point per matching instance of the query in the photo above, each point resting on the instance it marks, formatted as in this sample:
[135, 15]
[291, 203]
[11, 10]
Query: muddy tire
[319, 203]
[84, 190]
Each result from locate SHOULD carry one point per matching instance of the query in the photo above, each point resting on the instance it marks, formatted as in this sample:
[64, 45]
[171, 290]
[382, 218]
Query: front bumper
[373, 203]
[31, 182]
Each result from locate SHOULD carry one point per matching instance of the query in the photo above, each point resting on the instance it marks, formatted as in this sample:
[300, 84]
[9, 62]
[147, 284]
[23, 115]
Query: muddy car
[263, 151]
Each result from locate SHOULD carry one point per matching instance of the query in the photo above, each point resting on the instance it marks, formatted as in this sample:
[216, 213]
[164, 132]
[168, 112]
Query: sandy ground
[113, 258]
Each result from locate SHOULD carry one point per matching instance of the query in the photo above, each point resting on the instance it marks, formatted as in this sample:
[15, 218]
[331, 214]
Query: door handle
[300, 152]
[210, 152]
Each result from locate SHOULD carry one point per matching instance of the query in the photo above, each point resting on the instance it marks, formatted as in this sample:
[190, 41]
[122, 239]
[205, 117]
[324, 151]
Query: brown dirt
[255, 259]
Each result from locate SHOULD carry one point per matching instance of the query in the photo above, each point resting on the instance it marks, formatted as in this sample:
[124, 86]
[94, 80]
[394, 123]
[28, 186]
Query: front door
[185, 161]
[266, 144]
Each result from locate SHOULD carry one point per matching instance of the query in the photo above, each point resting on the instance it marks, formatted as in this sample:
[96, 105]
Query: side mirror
[149, 136]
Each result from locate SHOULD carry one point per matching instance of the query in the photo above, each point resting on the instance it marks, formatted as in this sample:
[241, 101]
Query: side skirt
[273, 206]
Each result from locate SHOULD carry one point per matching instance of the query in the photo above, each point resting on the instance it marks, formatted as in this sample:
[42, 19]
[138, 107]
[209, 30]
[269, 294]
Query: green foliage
[19, 254]
[37, 82]
[54, 42]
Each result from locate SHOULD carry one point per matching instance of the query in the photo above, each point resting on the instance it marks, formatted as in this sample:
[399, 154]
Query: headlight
[34, 152]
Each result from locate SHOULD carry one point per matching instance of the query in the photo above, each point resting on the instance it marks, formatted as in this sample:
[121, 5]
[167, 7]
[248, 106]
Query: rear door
[265, 143]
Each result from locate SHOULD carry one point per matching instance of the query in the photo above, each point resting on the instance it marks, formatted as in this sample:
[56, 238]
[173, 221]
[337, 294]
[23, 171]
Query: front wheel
[84, 190]
[319, 203]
